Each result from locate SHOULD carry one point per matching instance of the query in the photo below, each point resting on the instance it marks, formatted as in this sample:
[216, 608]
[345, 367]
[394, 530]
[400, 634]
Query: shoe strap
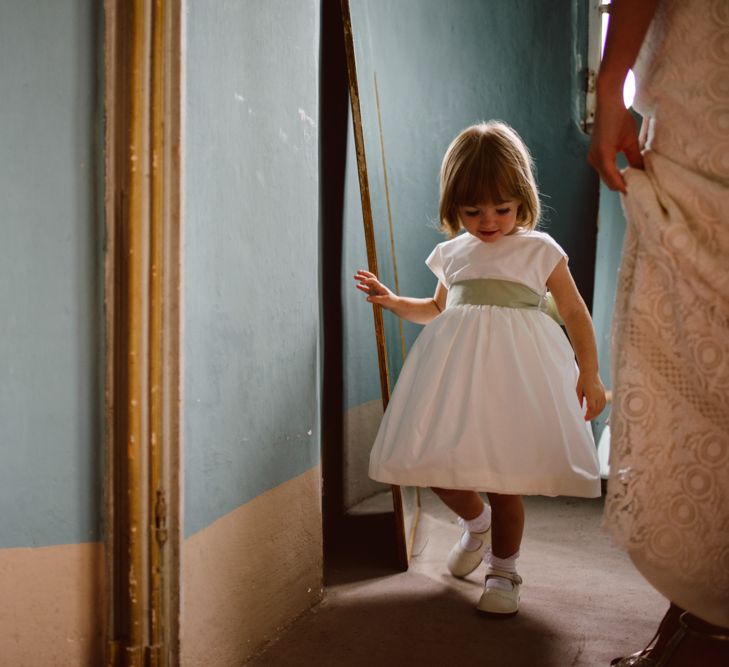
[462, 524]
[699, 628]
[511, 576]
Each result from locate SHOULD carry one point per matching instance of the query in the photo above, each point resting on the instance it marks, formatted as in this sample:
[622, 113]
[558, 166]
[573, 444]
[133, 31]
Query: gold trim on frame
[142, 297]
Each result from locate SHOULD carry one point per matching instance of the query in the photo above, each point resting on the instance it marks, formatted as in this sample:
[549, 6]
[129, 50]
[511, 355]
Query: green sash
[503, 293]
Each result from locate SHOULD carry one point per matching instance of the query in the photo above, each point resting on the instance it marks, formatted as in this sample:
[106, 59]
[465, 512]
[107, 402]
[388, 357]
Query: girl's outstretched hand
[591, 389]
[376, 292]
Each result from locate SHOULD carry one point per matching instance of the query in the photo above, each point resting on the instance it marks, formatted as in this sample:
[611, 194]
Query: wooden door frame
[143, 253]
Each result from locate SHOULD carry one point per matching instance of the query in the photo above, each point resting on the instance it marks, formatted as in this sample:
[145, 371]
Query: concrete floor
[582, 601]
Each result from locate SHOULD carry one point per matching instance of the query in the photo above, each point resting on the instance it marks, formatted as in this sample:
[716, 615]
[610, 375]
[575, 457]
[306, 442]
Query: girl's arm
[420, 311]
[579, 328]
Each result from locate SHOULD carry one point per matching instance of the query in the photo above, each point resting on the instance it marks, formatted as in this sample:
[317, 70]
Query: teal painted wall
[251, 263]
[609, 251]
[50, 273]
[441, 67]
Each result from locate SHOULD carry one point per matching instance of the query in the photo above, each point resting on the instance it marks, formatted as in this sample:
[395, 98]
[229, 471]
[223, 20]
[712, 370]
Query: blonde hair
[487, 162]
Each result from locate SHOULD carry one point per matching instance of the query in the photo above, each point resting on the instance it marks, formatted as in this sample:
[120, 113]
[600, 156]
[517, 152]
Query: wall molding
[143, 95]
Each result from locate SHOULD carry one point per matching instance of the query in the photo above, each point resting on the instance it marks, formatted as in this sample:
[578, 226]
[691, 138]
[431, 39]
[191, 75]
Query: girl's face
[490, 222]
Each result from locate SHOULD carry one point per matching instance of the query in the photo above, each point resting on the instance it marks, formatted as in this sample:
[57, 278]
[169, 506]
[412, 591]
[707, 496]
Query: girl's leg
[466, 504]
[507, 516]
[501, 588]
[475, 517]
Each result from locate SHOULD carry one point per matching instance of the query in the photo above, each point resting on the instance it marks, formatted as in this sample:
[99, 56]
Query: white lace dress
[668, 495]
[486, 399]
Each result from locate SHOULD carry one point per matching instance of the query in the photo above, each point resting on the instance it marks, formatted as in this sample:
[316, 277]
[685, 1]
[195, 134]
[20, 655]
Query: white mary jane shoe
[462, 562]
[496, 601]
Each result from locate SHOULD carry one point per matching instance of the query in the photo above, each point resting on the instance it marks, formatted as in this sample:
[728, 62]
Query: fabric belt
[503, 293]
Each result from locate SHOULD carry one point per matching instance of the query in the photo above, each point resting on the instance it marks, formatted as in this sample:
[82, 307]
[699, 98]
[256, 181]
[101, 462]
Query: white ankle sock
[505, 564]
[478, 525]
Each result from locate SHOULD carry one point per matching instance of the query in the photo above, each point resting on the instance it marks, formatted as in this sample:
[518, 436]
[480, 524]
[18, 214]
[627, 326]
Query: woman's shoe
[692, 642]
[496, 601]
[462, 562]
[635, 660]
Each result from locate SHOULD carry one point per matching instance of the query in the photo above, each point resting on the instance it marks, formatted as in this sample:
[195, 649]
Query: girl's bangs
[482, 181]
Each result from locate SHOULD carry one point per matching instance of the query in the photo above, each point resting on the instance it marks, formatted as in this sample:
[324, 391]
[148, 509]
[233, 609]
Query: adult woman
[668, 496]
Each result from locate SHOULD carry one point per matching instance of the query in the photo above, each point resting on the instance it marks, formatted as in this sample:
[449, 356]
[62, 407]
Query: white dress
[486, 399]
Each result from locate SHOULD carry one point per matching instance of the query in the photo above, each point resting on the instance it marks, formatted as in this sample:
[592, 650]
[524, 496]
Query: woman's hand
[591, 389]
[614, 132]
[376, 292]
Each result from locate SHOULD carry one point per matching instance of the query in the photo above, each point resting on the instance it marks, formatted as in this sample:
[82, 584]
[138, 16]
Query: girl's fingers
[366, 277]
[370, 287]
[594, 408]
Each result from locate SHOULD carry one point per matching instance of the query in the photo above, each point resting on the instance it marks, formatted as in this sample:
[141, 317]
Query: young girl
[490, 398]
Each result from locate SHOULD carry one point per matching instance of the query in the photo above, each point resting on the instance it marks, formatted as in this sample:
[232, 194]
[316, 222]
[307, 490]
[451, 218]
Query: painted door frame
[143, 207]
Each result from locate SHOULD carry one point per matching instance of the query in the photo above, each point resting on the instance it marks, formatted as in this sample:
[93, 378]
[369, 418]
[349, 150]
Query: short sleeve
[435, 263]
[551, 255]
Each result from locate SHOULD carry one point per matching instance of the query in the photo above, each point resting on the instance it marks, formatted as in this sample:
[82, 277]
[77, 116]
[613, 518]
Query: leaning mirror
[381, 189]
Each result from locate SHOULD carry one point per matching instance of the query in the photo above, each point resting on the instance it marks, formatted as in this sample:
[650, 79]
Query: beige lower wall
[51, 606]
[360, 430]
[249, 574]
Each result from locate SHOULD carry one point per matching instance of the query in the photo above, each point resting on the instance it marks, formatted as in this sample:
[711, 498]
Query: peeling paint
[307, 119]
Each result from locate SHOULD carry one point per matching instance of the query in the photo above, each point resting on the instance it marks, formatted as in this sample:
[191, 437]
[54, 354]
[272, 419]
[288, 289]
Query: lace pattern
[668, 495]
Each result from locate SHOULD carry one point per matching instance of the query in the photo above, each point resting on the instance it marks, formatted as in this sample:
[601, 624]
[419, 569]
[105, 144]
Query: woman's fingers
[614, 132]
[632, 152]
[603, 161]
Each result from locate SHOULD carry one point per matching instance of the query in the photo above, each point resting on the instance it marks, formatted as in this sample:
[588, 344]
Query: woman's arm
[579, 328]
[614, 130]
[420, 311]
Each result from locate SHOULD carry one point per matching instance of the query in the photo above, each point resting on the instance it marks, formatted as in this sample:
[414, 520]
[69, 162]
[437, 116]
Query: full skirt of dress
[487, 401]
[668, 495]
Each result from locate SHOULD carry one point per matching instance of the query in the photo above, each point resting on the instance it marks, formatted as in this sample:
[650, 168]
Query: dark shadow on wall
[333, 115]
[355, 545]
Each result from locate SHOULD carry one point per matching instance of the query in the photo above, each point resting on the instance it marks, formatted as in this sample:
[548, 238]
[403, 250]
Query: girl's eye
[471, 214]
[503, 211]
